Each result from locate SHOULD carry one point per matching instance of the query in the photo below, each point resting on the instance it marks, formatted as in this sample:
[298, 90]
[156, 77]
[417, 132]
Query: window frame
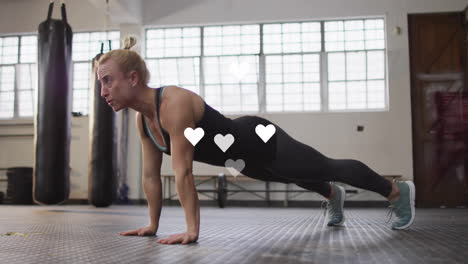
[17, 68]
[89, 62]
[323, 67]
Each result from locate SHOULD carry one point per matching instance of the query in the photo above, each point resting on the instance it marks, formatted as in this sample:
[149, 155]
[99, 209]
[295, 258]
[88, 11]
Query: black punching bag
[102, 169]
[52, 119]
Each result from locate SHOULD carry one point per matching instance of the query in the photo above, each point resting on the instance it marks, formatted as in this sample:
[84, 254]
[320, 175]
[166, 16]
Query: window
[231, 67]
[356, 64]
[174, 57]
[230, 63]
[18, 71]
[86, 46]
[304, 66]
[293, 82]
[292, 76]
[18, 76]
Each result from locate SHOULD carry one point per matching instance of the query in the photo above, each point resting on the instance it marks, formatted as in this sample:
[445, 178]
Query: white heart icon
[194, 135]
[234, 167]
[239, 70]
[265, 133]
[224, 142]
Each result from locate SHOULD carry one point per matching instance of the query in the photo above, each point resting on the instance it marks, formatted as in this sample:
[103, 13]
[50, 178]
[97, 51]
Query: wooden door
[437, 53]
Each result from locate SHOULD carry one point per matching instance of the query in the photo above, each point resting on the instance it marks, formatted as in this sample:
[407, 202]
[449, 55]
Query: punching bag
[52, 121]
[102, 169]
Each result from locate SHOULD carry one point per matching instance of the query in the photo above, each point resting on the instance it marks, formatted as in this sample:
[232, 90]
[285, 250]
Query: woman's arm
[182, 152]
[151, 179]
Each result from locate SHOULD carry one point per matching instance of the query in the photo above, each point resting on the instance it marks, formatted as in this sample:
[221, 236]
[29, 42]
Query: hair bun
[129, 42]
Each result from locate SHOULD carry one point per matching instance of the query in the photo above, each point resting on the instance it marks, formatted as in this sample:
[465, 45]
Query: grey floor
[83, 234]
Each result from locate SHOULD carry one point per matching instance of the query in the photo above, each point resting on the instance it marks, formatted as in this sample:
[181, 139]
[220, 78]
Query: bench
[220, 191]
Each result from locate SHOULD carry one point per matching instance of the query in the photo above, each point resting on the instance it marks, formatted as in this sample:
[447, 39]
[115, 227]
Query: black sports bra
[247, 145]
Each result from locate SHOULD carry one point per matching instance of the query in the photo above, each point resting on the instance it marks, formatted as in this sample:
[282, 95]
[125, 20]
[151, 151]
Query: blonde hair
[128, 60]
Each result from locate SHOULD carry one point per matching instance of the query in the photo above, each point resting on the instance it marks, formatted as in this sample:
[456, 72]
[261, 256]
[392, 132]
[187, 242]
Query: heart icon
[224, 142]
[239, 70]
[194, 135]
[265, 133]
[234, 167]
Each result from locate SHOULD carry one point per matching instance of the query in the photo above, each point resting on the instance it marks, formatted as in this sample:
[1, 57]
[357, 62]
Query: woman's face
[116, 88]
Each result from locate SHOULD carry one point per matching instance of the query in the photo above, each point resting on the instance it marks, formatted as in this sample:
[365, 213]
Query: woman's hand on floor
[144, 231]
[183, 238]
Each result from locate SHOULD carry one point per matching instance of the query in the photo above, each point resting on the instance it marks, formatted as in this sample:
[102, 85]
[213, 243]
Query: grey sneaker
[334, 207]
[404, 206]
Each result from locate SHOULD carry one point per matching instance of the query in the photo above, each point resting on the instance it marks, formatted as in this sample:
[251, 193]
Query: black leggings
[301, 164]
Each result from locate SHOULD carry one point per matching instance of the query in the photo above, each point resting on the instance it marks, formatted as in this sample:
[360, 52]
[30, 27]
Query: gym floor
[84, 234]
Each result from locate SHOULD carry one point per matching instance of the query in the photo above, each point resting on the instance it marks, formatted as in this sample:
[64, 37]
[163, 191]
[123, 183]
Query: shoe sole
[412, 189]
[343, 194]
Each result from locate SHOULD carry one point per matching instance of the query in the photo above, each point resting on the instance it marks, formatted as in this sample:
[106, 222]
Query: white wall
[25, 15]
[385, 145]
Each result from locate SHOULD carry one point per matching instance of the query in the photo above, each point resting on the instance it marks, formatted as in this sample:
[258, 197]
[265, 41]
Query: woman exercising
[164, 113]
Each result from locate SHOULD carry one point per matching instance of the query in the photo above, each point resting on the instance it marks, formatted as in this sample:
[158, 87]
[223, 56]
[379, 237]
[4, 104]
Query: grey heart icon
[234, 167]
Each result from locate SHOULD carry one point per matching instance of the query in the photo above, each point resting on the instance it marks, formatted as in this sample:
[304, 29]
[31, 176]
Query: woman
[164, 113]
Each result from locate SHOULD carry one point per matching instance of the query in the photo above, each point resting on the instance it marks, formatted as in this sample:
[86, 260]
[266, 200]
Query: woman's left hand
[183, 238]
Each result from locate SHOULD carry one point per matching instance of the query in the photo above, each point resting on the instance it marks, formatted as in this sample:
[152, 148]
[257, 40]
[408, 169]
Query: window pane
[81, 86]
[355, 65]
[293, 82]
[28, 49]
[375, 65]
[27, 87]
[87, 45]
[81, 105]
[334, 36]
[173, 42]
[291, 37]
[9, 50]
[354, 35]
[344, 35]
[7, 78]
[182, 72]
[7, 100]
[337, 95]
[231, 40]
[27, 77]
[376, 94]
[231, 69]
[355, 62]
[7, 87]
[26, 103]
[232, 83]
[374, 24]
[312, 99]
[356, 95]
[274, 100]
[336, 66]
[375, 36]
[293, 99]
[355, 70]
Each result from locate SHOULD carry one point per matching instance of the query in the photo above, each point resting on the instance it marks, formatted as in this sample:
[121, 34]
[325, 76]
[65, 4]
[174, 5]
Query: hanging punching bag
[102, 167]
[51, 184]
